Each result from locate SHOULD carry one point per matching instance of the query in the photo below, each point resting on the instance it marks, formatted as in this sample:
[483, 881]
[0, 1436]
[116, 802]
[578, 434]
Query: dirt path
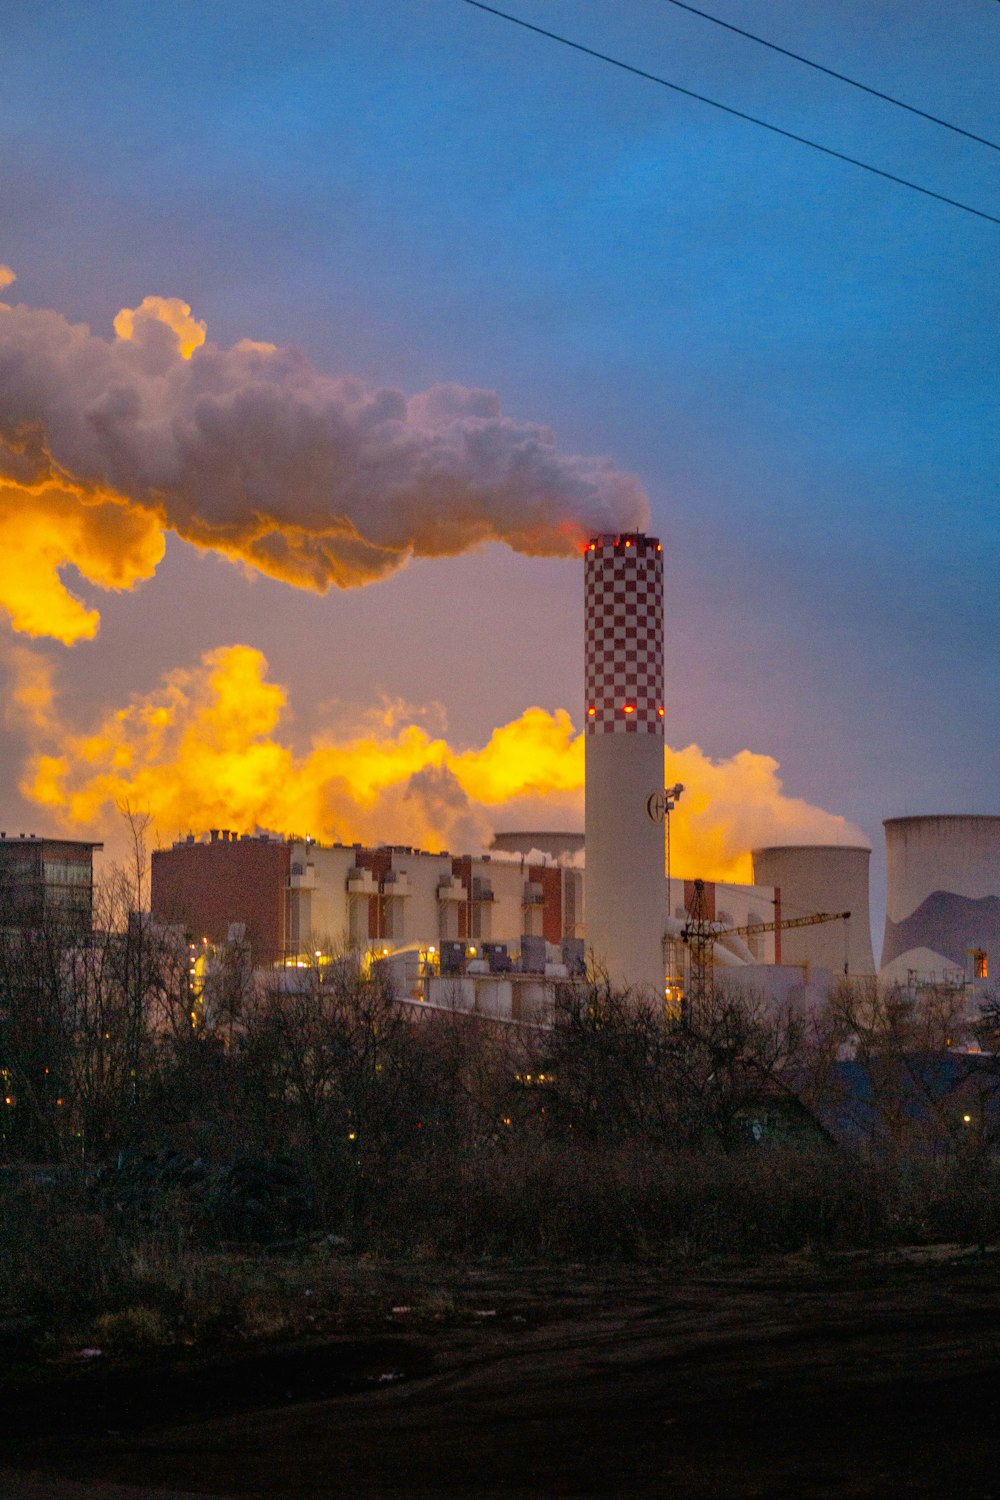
[866, 1377]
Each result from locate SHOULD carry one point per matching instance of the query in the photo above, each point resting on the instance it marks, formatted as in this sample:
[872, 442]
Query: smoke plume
[205, 750]
[106, 444]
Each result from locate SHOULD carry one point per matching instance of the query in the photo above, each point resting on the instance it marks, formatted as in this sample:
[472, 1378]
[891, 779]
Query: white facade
[821, 878]
[393, 898]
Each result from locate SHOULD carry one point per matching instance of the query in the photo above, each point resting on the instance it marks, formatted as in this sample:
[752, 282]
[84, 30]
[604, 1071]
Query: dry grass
[87, 1282]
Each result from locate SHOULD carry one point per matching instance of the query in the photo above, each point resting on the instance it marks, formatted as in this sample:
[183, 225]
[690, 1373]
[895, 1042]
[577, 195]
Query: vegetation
[188, 1153]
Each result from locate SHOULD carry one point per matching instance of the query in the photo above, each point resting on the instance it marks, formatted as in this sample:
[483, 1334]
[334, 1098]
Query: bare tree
[34, 1062]
[79, 1020]
[622, 1070]
[905, 1086]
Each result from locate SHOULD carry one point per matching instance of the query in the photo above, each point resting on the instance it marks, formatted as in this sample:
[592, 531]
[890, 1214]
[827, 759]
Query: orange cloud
[173, 313]
[44, 527]
[31, 694]
[105, 444]
[205, 750]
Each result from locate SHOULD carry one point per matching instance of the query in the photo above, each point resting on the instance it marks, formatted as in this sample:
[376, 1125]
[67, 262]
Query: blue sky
[799, 360]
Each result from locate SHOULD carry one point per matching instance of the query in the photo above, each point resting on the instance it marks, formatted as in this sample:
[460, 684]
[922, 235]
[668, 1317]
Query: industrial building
[942, 919]
[477, 933]
[46, 883]
[456, 914]
[292, 896]
[483, 933]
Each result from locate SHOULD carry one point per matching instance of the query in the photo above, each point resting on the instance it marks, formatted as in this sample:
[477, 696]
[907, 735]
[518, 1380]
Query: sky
[627, 307]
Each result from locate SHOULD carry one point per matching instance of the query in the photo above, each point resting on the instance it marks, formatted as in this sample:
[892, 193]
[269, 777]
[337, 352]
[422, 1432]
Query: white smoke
[251, 451]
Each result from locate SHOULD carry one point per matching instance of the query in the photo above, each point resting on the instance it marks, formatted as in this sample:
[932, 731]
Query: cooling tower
[626, 885]
[942, 895]
[821, 877]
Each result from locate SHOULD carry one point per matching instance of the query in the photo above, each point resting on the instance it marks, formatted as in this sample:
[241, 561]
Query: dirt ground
[857, 1376]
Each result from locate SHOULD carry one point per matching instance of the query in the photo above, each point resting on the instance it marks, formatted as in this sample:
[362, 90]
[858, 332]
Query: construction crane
[701, 933]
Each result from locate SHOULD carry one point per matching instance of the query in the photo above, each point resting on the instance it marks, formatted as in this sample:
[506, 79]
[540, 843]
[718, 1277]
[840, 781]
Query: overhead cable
[832, 73]
[616, 62]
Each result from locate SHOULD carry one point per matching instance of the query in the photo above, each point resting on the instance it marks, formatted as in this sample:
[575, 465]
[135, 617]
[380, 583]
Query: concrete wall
[625, 894]
[815, 878]
[942, 896]
[327, 920]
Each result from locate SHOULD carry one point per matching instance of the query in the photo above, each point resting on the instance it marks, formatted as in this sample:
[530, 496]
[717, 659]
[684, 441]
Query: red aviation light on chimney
[591, 711]
[659, 712]
[628, 708]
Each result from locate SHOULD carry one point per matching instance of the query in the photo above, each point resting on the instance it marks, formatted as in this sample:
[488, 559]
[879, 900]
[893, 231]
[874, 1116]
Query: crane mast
[700, 933]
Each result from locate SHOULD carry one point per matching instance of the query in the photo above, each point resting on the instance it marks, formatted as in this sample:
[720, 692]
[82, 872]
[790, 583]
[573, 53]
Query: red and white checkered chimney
[626, 892]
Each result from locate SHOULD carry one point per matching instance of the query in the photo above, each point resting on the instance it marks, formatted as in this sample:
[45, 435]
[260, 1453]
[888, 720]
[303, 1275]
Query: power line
[728, 109]
[832, 73]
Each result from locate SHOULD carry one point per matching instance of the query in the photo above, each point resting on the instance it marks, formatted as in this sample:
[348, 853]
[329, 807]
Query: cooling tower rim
[540, 833]
[943, 818]
[810, 848]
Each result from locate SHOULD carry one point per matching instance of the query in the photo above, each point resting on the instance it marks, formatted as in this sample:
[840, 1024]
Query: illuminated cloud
[205, 751]
[175, 314]
[731, 806]
[47, 524]
[30, 700]
[105, 444]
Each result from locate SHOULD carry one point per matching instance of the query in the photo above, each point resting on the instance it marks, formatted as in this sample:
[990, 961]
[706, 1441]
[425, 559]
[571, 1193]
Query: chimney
[626, 891]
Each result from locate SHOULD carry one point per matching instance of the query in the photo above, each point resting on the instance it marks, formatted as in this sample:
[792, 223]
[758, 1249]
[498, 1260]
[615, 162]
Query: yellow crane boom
[751, 929]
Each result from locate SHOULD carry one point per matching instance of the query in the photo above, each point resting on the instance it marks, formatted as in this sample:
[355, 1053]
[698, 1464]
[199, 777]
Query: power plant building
[291, 896]
[521, 907]
[434, 912]
[486, 933]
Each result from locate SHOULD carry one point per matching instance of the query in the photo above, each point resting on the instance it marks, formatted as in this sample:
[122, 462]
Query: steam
[206, 750]
[737, 804]
[106, 444]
